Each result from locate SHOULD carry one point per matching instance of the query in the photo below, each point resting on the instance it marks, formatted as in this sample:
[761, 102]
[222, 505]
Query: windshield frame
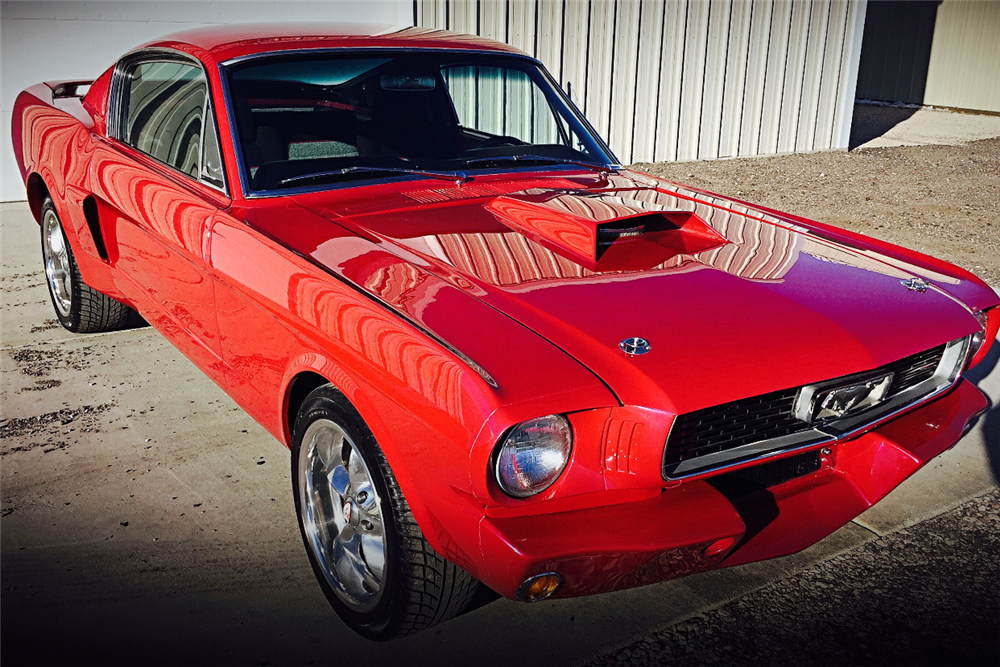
[607, 160]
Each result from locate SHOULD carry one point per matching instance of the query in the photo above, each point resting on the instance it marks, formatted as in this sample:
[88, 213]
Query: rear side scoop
[603, 233]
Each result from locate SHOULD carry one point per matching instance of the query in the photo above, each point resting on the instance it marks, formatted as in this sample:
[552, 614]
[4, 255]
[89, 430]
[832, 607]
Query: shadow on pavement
[872, 121]
[991, 423]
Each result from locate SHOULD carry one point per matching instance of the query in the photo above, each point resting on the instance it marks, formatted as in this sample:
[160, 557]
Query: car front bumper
[692, 527]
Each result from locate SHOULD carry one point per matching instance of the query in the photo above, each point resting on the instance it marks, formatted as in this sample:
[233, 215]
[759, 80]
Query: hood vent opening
[606, 234]
[623, 228]
[645, 241]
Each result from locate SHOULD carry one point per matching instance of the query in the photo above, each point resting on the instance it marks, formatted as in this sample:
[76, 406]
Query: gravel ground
[941, 200]
[927, 595]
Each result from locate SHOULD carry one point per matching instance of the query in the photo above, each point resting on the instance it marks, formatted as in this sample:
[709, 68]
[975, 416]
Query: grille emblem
[914, 284]
[634, 346]
[822, 402]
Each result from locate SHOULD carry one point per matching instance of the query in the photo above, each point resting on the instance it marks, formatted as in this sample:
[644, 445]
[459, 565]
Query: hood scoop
[606, 233]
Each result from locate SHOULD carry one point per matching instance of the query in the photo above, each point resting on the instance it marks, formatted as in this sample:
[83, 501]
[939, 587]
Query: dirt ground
[927, 595]
[941, 200]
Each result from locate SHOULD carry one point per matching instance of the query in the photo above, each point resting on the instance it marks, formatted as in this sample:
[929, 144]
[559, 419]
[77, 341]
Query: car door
[159, 183]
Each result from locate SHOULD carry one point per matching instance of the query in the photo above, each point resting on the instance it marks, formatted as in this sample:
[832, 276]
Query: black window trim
[117, 108]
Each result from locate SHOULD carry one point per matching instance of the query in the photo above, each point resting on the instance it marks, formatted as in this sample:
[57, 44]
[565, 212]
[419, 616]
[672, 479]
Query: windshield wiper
[454, 176]
[538, 159]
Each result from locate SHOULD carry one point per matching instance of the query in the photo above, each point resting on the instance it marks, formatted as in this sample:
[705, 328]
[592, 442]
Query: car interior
[298, 118]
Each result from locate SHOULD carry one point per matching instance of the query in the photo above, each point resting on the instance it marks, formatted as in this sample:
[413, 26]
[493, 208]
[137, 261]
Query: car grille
[759, 418]
[755, 478]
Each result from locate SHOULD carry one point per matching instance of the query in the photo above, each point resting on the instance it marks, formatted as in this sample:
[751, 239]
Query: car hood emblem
[634, 346]
[915, 284]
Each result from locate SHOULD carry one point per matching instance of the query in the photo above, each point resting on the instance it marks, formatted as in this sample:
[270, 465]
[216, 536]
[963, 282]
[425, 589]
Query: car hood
[733, 302]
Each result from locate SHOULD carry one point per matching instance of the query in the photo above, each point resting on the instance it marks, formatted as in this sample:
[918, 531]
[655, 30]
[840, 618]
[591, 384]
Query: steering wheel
[493, 142]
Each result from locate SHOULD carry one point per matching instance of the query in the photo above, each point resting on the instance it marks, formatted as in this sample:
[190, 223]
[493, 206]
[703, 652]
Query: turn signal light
[718, 547]
[539, 587]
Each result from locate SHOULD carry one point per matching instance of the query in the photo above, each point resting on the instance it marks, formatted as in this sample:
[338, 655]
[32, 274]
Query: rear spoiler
[64, 89]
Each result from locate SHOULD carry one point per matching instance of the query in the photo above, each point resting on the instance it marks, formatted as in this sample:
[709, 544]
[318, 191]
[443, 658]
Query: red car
[496, 355]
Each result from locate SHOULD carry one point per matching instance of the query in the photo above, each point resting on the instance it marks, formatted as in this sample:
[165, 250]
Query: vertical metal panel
[753, 91]
[602, 40]
[791, 96]
[774, 85]
[490, 110]
[836, 36]
[668, 122]
[812, 76]
[693, 78]
[520, 33]
[849, 62]
[716, 55]
[463, 16]
[492, 19]
[433, 12]
[463, 88]
[678, 79]
[521, 25]
[736, 76]
[964, 68]
[623, 79]
[550, 35]
[575, 38]
[896, 50]
[647, 81]
[517, 102]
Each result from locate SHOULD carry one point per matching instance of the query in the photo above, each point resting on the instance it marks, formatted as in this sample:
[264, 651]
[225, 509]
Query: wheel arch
[37, 190]
[298, 388]
[313, 372]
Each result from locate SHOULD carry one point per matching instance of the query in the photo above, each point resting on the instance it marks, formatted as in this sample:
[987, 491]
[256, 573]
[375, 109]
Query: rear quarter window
[165, 113]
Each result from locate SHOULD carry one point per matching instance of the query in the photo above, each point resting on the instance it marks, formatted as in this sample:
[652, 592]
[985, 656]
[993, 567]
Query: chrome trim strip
[751, 452]
[234, 133]
[946, 376]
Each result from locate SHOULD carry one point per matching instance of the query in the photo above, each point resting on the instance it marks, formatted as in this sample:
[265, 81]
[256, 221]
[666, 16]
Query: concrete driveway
[147, 520]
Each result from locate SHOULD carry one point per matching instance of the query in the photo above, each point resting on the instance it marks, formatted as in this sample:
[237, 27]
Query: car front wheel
[371, 559]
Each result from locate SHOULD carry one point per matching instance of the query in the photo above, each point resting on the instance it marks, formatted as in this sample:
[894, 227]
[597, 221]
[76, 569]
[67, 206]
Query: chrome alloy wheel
[57, 263]
[342, 515]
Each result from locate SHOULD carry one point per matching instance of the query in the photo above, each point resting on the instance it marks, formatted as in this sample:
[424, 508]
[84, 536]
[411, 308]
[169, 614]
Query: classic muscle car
[496, 355]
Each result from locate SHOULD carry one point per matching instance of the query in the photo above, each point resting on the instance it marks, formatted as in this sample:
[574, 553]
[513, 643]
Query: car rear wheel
[371, 559]
[79, 307]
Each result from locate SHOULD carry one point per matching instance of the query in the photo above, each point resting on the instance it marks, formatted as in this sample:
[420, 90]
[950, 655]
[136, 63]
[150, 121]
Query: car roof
[226, 42]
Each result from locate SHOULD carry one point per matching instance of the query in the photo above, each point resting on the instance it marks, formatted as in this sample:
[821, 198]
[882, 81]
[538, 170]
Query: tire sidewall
[70, 322]
[323, 403]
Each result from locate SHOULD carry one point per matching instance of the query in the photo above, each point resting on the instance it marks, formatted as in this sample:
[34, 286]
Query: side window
[165, 117]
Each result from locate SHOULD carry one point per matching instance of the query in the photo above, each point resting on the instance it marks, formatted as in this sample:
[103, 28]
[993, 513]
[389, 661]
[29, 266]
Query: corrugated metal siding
[687, 79]
[964, 70]
[939, 53]
[896, 50]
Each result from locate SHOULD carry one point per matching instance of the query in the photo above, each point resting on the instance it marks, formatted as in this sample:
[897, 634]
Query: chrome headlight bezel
[977, 339]
[532, 455]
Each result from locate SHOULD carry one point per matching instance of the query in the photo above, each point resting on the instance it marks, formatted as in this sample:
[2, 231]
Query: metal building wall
[938, 53]
[687, 79]
[964, 68]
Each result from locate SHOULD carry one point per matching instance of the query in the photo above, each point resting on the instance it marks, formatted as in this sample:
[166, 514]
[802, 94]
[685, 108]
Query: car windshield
[312, 120]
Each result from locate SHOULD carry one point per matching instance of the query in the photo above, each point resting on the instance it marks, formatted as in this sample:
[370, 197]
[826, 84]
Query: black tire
[419, 588]
[79, 307]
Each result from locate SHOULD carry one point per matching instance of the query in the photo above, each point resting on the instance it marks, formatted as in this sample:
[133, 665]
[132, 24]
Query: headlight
[979, 336]
[533, 455]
